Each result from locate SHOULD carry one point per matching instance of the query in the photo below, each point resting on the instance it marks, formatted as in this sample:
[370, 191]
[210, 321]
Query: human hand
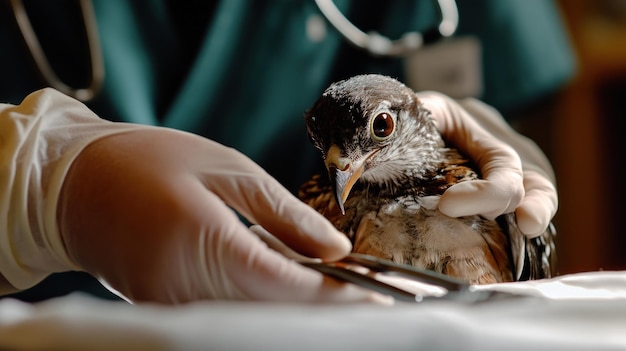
[149, 212]
[517, 175]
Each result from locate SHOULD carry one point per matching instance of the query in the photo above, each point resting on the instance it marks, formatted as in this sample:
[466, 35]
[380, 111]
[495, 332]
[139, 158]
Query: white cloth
[39, 139]
[585, 311]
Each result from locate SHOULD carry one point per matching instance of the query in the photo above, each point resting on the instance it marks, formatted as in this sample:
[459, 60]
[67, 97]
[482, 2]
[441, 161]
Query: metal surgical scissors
[373, 273]
[400, 281]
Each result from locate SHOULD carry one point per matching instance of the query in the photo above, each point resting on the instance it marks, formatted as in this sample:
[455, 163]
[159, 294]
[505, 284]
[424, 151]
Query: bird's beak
[343, 173]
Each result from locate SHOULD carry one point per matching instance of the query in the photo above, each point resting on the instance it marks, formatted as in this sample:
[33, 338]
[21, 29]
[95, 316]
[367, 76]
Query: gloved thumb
[495, 195]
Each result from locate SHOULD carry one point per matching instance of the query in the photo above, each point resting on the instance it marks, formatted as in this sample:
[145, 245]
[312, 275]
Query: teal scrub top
[243, 72]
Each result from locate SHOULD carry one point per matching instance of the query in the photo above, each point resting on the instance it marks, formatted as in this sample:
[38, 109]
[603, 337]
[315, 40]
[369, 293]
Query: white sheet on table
[585, 311]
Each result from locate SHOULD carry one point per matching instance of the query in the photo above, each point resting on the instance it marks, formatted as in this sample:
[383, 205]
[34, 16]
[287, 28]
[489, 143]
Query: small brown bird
[387, 167]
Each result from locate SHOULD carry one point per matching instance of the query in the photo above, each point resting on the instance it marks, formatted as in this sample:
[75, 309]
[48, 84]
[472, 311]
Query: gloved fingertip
[342, 247]
[472, 198]
[449, 209]
[300, 227]
[314, 225]
[453, 201]
[531, 222]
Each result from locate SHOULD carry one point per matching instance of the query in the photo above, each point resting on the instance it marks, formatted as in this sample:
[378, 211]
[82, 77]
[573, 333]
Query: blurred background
[585, 138]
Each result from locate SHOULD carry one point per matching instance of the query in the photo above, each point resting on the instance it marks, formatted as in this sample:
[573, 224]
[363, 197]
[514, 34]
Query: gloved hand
[517, 175]
[148, 211]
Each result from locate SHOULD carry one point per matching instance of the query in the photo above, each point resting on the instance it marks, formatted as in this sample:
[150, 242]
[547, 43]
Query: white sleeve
[39, 139]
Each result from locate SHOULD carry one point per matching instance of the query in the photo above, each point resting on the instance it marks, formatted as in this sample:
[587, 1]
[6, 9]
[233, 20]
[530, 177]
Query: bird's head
[372, 129]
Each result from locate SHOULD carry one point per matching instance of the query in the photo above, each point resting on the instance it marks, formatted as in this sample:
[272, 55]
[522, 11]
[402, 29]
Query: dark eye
[382, 126]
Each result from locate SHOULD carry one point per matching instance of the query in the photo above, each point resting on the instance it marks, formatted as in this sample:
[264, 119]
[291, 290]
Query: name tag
[451, 66]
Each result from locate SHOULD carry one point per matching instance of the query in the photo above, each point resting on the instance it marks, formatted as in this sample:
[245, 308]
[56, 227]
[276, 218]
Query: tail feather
[533, 258]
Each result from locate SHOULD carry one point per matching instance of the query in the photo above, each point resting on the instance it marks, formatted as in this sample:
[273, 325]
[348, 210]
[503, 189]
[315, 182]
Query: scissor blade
[348, 275]
[421, 275]
[463, 292]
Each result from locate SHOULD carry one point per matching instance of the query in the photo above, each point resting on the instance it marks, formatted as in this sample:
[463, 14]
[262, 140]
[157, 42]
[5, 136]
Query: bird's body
[388, 166]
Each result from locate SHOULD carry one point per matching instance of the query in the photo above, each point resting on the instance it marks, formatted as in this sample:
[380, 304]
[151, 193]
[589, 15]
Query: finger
[275, 244]
[214, 255]
[462, 130]
[502, 188]
[243, 185]
[260, 273]
[298, 225]
[490, 198]
[526, 148]
[539, 205]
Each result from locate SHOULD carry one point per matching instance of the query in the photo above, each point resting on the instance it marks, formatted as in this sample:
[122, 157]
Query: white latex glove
[517, 175]
[148, 211]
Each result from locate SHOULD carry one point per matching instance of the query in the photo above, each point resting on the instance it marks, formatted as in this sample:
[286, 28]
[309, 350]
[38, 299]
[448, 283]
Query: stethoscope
[374, 43]
[42, 63]
[379, 45]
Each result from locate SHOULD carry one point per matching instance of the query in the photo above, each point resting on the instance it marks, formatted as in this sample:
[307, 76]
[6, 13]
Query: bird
[386, 166]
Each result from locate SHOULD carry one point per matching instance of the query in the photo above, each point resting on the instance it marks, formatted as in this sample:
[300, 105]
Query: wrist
[44, 134]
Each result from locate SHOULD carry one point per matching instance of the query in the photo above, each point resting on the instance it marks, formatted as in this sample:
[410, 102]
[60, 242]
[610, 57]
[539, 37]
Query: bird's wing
[534, 258]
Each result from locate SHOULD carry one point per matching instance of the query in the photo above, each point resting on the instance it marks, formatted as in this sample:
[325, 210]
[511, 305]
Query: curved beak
[344, 173]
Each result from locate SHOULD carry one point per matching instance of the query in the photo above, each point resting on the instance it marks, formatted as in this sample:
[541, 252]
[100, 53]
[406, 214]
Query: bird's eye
[382, 126]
